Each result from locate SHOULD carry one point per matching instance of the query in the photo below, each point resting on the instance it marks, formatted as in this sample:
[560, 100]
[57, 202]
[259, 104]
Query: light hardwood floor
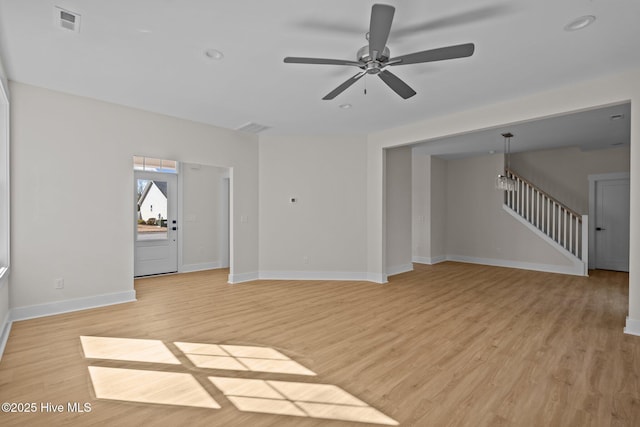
[450, 344]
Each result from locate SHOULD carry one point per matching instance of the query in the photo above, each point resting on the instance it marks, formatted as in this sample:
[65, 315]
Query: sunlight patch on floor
[132, 350]
[241, 358]
[346, 413]
[134, 385]
[266, 406]
[323, 401]
[298, 399]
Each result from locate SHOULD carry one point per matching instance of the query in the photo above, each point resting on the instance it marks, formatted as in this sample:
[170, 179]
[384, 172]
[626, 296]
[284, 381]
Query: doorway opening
[204, 207]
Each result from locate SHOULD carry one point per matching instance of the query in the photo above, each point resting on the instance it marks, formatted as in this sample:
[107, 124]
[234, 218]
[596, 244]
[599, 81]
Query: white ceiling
[149, 54]
[600, 128]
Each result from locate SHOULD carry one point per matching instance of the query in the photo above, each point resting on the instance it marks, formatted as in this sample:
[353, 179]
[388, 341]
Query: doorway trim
[593, 179]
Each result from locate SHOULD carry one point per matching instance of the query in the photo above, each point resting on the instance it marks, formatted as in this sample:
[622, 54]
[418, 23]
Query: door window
[152, 209]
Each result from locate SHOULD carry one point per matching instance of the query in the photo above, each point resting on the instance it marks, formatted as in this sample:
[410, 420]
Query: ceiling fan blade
[337, 91]
[321, 61]
[398, 86]
[440, 54]
[379, 28]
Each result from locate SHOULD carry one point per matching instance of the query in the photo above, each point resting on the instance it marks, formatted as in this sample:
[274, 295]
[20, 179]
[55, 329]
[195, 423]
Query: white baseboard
[242, 277]
[398, 269]
[66, 306]
[377, 278]
[313, 275]
[189, 268]
[547, 268]
[6, 329]
[632, 326]
[307, 275]
[428, 261]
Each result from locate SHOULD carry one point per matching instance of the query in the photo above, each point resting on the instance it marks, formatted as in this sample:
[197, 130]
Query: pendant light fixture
[504, 181]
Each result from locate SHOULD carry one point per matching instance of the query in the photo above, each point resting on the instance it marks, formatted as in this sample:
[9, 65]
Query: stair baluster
[560, 223]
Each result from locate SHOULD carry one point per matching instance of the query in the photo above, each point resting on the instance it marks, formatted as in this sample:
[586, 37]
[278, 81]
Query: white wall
[5, 321]
[429, 210]
[4, 208]
[4, 176]
[465, 220]
[323, 234]
[203, 227]
[438, 209]
[398, 210]
[563, 173]
[478, 229]
[613, 89]
[420, 208]
[67, 149]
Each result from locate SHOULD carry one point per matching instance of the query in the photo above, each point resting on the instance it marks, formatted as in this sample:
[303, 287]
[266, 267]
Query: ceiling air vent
[253, 127]
[66, 20]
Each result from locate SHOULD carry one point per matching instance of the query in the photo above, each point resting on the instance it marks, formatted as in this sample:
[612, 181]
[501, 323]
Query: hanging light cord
[505, 156]
[508, 153]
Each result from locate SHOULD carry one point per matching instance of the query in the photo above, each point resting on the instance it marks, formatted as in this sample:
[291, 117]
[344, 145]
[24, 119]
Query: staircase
[564, 228]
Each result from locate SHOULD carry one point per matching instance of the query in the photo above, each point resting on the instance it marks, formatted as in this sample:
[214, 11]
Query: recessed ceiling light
[492, 151]
[345, 106]
[144, 31]
[580, 23]
[214, 54]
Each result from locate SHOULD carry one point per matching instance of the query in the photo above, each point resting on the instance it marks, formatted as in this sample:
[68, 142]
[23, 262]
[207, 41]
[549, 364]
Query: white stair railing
[563, 225]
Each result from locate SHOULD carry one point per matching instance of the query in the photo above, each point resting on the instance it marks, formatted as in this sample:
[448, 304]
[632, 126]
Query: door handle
[600, 229]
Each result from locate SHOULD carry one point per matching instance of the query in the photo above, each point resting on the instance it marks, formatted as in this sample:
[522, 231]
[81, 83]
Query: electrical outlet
[58, 283]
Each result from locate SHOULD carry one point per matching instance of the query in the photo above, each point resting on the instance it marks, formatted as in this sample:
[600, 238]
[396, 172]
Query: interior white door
[612, 225]
[155, 223]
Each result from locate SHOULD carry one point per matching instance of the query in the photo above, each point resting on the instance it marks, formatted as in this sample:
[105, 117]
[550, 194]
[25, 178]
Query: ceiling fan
[374, 58]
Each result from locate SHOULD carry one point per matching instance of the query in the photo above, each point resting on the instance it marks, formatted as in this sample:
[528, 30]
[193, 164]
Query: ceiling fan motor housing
[371, 66]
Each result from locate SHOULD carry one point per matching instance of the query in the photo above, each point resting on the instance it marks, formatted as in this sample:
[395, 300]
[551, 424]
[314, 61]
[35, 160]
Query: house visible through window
[151, 193]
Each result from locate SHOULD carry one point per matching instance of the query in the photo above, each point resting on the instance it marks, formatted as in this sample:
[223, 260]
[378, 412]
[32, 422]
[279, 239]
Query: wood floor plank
[449, 344]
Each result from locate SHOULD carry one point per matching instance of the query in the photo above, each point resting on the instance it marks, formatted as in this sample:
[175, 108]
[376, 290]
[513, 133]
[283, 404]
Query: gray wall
[465, 221]
[204, 227]
[463, 212]
[563, 173]
[323, 234]
[398, 210]
[477, 227]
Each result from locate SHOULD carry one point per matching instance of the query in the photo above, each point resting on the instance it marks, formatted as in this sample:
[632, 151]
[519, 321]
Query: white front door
[155, 223]
[612, 225]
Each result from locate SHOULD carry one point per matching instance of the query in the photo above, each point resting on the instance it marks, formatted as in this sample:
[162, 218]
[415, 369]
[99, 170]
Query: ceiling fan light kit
[376, 56]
